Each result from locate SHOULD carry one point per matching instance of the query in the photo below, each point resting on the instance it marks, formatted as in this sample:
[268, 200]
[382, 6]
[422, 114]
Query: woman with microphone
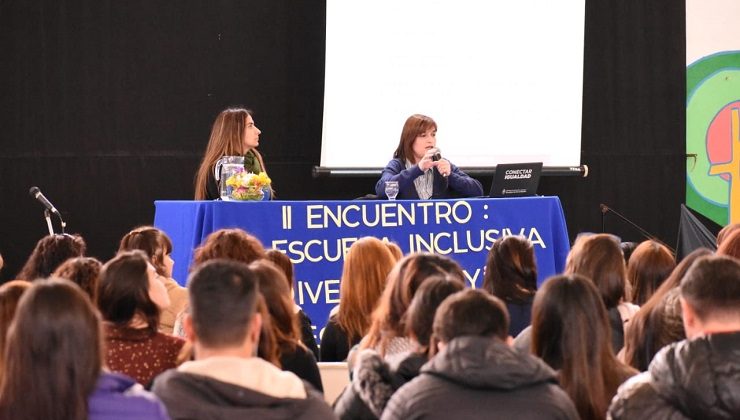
[420, 170]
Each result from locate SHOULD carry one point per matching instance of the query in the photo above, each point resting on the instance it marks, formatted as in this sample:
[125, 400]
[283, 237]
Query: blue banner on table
[317, 234]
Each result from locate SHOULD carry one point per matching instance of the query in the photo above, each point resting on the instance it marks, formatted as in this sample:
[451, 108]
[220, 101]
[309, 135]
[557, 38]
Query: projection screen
[503, 80]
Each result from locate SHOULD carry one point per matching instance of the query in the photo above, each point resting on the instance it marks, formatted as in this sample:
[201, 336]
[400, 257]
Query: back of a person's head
[84, 272]
[285, 265]
[273, 288]
[230, 244]
[154, 242]
[50, 252]
[395, 250]
[403, 281]
[711, 288]
[471, 312]
[725, 232]
[223, 300]
[420, 315]
[627, 249]
[730, 245]
[599, 258]
[123, 290]
[364, 273]
[651, 263]
[53, 354]
[10, 295]
[511, 270]
[571, 333]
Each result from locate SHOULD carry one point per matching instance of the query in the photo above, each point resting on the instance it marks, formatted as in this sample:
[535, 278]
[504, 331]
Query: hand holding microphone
[443, 165]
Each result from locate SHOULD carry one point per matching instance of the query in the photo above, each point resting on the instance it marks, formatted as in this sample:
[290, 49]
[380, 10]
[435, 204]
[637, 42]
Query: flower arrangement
[247, 185]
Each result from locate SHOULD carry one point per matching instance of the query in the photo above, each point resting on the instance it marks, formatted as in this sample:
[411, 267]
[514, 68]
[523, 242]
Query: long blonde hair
[227, 139]
[364, 275]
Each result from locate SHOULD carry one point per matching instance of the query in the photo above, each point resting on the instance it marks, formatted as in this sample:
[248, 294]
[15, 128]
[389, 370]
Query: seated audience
[226, 380]
[395, 251]
[54, 357]
[364, 274]
[658, 322]
[130, 297]
[511, 275]
[10, 295]
[283, 322]
[283, 262]
[387, 333]
[374, 380]
[475, 374]
[158, 247]
[82, 271]
[50, 252]
[598, 258]
[649, 266]
[730, 245]
[697, 378]
[627, 249]
[570, 332]
[725, 232]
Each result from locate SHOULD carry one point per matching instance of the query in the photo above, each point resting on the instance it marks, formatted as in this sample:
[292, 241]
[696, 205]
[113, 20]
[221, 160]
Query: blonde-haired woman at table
[233, 134]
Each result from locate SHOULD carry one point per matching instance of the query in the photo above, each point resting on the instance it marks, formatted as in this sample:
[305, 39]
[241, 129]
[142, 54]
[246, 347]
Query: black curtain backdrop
[107, 105]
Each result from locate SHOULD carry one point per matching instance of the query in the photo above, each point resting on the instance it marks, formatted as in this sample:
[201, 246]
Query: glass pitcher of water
[225, 168]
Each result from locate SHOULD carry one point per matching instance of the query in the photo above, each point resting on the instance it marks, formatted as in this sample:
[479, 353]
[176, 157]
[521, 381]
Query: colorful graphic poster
[713, 109]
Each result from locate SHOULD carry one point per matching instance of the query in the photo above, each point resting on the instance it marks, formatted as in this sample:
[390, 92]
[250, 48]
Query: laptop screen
[516, 179]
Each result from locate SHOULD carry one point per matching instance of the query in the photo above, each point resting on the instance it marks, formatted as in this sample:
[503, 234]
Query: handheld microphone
[35, 192]
[437, 156]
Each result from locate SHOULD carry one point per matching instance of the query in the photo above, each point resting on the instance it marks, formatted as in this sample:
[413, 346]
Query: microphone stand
[47, 216]
[606, 209]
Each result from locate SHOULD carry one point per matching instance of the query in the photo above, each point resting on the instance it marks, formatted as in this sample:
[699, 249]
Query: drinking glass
[391, 189]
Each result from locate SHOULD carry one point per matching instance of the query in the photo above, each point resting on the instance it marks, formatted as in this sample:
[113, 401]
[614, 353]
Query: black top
[307, 333]
[334, 344]
[303, 364]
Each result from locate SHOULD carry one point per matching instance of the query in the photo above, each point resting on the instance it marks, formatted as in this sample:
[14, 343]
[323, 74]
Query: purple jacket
[118, 397]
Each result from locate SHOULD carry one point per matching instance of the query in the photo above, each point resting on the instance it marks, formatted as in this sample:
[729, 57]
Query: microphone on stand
[36, 193]
[606, 209]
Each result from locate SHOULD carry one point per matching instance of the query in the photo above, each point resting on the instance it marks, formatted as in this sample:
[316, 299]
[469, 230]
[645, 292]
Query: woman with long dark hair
[130, 298]
[648, 267]
[511, 275]
[54, 363]
[82, 271]
[233, 134]
[50, 252]
[570, 332]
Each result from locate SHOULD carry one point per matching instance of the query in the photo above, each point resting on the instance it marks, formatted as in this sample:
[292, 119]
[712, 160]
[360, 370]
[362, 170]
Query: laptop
[516, 179]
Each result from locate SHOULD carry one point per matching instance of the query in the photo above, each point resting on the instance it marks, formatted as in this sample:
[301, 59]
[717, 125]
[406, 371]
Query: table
[317, 234]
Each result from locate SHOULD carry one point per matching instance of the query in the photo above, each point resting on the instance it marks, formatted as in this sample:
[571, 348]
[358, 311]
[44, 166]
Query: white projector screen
[502, 79]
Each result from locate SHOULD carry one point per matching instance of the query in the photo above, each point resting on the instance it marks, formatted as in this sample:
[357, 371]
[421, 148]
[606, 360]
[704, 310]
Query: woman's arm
[396, 171]
[463, 184]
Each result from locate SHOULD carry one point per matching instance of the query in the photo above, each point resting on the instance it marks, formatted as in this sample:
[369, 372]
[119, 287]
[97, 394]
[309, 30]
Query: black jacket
[481, 378]
[698, 379]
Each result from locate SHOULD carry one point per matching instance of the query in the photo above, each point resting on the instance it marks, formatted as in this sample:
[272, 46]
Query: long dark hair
[511, 271]
[50, 252]
[124, 291]
[650, 264]
[84, 272]
[570, 332]
[54, 354]
[154, 242]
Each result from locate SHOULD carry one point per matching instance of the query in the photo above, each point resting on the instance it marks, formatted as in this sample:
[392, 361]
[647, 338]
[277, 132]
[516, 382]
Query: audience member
[233, 134]
[82, 271]
[649, 266]
[387, 333]
[130, 297]
[627, 249]
[50, 252]
[283, 262]
[730, 245]
[419, 169]
[226, 381]
[364, 274]
[54, 357]
[511, 275]
[158, 247]
[699, 377]
[658, 322]
[374, 380]
[10, 295]
[231, 244]
[395, 251]
[598, 258]
[476, 375]
[293, 355]
[725, 232]
[570, 332]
